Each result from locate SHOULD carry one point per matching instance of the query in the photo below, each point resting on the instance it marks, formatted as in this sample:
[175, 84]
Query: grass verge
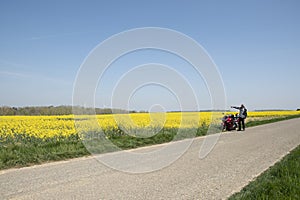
[281, 181]
[21, 150]
[267, 121]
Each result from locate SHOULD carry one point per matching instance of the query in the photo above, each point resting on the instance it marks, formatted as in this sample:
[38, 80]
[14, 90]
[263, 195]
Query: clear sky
[255, 45]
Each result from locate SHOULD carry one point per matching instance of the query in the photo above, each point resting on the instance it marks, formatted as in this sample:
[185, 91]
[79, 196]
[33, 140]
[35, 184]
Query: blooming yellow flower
[135, 123]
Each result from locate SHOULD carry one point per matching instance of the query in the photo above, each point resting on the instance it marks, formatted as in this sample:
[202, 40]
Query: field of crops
[34, 139]
[66, 125]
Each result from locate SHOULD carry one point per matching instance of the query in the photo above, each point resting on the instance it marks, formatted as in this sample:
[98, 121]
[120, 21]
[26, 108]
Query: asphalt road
[236, 159]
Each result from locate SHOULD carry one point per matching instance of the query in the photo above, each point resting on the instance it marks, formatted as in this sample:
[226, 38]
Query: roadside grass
[97, 145]
[281, 181]
[22, 150]
[267, 121]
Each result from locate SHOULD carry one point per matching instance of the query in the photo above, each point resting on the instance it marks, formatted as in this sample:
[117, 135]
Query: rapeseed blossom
[68, 125]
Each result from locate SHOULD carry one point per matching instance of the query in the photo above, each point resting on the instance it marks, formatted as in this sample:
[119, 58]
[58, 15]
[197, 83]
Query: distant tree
[58, 110]
[5, 110]
[143, 111]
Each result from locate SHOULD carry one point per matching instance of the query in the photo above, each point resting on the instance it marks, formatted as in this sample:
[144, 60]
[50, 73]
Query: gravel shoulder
[237, 158]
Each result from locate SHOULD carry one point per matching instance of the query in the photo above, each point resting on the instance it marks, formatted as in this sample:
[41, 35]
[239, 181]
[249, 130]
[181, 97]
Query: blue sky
[255, 45]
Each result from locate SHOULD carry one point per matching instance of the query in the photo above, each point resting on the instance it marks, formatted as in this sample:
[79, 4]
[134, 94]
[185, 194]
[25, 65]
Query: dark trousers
[241, 122]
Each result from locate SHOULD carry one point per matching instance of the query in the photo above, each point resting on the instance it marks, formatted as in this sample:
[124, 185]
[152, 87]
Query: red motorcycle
[229, 122]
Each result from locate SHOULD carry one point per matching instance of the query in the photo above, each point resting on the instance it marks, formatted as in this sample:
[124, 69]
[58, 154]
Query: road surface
[236, 159]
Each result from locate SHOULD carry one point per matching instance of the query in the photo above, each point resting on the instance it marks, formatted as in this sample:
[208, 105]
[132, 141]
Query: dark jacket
[241, 111]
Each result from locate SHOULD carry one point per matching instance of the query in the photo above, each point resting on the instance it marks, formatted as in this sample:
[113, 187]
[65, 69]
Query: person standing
[242, 116]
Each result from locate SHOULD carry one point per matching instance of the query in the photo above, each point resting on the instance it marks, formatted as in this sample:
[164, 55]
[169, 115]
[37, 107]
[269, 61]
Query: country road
[236, 159]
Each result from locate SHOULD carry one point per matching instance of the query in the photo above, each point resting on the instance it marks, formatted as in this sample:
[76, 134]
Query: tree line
[57, 110]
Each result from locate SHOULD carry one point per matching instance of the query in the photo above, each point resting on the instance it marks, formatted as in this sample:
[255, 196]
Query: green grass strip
[25, 151]
[281, 181]
[267, 121]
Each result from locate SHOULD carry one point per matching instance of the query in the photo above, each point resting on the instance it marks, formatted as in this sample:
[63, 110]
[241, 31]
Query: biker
[242, 116]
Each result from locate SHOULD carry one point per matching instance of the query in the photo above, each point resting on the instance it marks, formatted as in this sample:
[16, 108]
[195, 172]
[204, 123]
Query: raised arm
[235, 107]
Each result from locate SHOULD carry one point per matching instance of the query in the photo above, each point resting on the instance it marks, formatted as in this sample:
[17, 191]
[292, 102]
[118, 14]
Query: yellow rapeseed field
[66, 125]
